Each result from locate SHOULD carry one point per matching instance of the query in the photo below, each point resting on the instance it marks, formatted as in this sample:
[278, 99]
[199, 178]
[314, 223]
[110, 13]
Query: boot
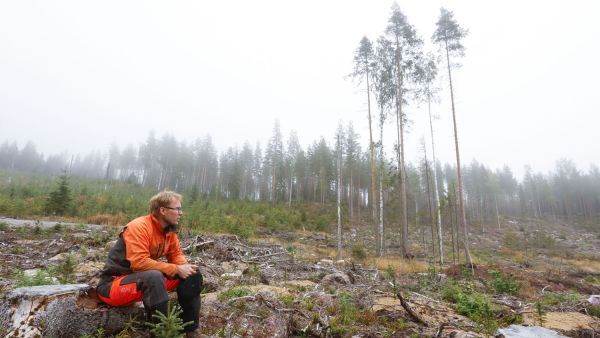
[188, 295]
[150, 312]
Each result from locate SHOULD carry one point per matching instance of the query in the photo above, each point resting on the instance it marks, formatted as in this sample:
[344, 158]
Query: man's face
[172, 213]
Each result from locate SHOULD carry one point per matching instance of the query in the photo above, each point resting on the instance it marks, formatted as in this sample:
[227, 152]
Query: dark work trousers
[151, 288]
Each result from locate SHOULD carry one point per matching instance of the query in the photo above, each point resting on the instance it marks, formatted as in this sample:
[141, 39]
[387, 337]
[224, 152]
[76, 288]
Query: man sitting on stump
[133, 272]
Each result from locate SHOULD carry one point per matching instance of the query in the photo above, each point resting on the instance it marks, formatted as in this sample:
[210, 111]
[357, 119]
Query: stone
[520, 331]
[336, 278]
[327, 262]
[234, 274]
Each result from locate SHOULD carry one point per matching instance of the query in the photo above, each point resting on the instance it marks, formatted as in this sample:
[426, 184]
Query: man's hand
[186, 270]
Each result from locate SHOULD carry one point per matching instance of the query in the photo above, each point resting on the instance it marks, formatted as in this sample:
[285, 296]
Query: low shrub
[347, 310]
[556, 298]
[472, 304]
[40, 278]
[234, 292]
[358, 251]
[169, 325]
[504, 284]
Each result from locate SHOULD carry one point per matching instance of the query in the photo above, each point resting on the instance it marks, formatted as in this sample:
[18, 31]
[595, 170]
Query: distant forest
[284, 173]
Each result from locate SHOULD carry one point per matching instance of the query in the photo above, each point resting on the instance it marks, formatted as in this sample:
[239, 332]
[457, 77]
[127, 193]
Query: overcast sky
[79, 75]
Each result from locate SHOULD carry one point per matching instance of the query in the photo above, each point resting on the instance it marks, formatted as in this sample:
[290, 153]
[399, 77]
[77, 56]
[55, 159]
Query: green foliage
[60, 198]
[336, 329]
[86, 199]
[451, 293]
[3, 226]
[556, 298]
[40, 278]
[540, 312]
[504, 284]
[169, 325]
[130, 330]
[58, 228]
[308, 303]
[472, 304]
[358, 251]
[98, 334]
[512, 240]
[287, 299]
[594, 310]
[234, 292]
[592, 279]
[347, 310]
[389, 274]
[543, 241]
[64, 269]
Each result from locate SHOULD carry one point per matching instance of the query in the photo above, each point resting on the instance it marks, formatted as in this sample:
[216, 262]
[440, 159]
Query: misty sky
[78, 75]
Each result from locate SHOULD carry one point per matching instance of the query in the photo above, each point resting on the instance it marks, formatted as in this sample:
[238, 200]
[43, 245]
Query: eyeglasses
[178, 209]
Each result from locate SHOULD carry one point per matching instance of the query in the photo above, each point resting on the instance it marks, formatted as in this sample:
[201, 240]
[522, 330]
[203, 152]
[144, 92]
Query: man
[133, 271]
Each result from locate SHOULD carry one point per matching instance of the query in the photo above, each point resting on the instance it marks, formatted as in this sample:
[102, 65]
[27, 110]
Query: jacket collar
[162, 230]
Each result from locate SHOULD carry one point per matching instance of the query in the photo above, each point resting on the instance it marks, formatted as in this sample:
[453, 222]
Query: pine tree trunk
[497, 213]
[436, 191]
[429, 204]
[381, 230]
[461, 207]
[339, 209]
[291, 187]
[401, 168]
[372, 197]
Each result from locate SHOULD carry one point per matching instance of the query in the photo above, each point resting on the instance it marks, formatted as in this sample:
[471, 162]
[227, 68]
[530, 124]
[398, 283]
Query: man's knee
[151, 279]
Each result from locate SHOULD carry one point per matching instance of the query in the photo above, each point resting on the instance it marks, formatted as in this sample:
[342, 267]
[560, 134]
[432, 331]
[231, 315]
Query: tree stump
[70, 310]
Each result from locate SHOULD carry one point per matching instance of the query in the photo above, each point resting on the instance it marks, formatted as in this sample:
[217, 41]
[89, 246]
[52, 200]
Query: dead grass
[398, 264]
[107, 219]
[585, 265]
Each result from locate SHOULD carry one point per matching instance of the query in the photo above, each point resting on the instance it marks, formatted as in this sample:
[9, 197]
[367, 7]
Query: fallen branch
[269, 255]
[15, 255]
[440, 329]
[409, 310]
[423, 296]
[254, 316]
[239, 298]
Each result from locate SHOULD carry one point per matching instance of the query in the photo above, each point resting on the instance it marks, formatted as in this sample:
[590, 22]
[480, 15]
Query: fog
[78, 76]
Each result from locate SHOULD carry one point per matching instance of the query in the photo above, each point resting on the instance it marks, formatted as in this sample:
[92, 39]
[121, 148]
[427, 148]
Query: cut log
[70, 310]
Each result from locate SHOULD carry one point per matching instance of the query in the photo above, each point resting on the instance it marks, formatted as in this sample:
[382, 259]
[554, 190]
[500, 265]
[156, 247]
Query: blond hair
[163, 199]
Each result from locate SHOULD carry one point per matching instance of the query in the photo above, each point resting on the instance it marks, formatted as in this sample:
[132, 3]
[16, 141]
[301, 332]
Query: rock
[387, 303]
[336, 278]
[341, 263]
[62, 256]
[109, 245]
[232, 266]
[327, 262]
[300, 283]
[70, 310]
[520, 331]
[235, 274]
[31, 272]
[89, 268]
[210, 282]
[268, 291]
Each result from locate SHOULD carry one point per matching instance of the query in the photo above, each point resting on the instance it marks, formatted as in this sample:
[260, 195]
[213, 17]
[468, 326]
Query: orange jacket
[146, 242]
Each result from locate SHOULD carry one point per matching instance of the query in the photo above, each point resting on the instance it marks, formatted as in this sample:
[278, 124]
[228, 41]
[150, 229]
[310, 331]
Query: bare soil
[287, 284]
